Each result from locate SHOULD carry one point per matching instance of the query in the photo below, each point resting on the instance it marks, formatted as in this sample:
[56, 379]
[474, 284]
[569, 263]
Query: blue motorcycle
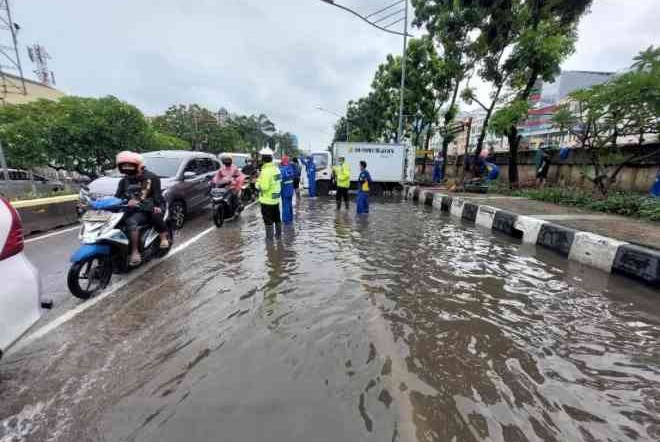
[106, 248]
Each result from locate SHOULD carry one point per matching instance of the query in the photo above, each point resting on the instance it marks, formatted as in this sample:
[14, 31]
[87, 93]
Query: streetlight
[405, 35]
[348, 134]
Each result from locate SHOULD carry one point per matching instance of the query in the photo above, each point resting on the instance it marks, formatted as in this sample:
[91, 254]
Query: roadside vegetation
[632, 204]
[84, 135]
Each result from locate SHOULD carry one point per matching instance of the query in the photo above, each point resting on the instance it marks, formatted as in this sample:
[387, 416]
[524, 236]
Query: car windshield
[162, 166]
[239, 161]
[320, 159]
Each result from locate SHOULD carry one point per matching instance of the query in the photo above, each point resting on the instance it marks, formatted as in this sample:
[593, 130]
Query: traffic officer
[269, 186]
[342, 175]
[288, 174]
[364, 185]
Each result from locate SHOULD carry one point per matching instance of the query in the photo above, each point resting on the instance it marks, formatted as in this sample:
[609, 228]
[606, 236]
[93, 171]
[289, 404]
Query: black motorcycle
[224, 203]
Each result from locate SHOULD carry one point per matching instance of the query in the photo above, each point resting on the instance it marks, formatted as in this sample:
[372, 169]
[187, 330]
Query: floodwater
[402, 326]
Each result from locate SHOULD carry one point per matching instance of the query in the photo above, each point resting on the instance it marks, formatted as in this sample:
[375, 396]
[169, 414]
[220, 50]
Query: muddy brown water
[402, 326]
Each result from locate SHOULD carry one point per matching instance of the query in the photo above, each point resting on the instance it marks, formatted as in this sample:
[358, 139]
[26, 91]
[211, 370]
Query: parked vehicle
[323, 162]
[386, 163]
[19, 184]
[237, 159]
[184, 179]
[20, 302]
[106, 247]
[224, 205]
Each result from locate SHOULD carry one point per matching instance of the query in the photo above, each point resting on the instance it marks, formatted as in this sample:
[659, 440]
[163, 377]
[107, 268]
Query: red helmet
[129, 162]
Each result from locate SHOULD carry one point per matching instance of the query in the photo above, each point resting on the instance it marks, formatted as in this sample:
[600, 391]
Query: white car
[20, 297]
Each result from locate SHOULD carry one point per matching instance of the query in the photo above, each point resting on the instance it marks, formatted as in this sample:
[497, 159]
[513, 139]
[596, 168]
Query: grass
[631, 204]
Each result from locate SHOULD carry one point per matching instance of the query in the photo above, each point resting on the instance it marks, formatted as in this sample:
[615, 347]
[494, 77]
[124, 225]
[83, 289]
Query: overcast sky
[279, 57]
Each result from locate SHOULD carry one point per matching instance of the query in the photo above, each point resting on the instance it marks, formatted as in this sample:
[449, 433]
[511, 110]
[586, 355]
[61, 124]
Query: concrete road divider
[557, 238]
[44, 214]
[470, 212]
[639, 263]
[486, 216]
[595, 250]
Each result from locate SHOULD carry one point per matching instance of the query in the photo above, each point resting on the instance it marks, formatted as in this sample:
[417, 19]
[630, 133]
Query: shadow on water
[401, 326]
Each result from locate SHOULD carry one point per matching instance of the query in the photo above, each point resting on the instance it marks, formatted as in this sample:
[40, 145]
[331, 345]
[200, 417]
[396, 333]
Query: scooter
[248, 191]
[106, 247]
[224, 204]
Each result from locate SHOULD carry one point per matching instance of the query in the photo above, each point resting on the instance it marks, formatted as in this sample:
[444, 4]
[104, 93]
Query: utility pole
[10, 83]
[3, 164]
[467, 147]
[399, 133]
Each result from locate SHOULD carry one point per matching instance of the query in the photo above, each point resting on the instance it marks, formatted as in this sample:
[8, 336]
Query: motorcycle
[224, 203]
[249, 191]
[106, 246]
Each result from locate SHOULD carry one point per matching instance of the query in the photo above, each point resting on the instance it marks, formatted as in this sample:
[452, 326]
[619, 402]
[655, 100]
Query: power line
[390, 15]
[385, 8]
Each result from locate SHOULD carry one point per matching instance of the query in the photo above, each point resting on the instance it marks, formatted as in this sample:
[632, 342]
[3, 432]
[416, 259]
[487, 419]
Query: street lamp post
[399, 133]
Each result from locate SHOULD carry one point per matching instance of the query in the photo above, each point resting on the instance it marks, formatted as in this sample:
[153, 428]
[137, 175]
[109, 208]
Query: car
[19, 184]
[237, 159]
[185, 176]
[21, 303]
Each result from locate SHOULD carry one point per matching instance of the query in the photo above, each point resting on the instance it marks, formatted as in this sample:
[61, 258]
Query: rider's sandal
[164, 245]
[135, 261]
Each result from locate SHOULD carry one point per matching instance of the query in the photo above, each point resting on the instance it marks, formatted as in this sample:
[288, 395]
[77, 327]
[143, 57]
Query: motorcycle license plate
[96, 216]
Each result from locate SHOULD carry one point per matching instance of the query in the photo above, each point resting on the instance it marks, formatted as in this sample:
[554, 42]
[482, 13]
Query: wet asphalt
[401, 326]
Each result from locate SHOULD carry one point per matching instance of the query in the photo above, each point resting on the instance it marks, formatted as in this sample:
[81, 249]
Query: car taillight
[14, 243]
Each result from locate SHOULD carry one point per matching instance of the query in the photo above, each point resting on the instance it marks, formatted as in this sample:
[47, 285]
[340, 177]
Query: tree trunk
[445, 139]
[489, 112]
[514, 140]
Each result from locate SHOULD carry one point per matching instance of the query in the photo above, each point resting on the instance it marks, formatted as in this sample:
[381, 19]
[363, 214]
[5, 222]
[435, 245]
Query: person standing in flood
[342, 176]
[287, 173]
[437, 167]
[310, 168]
[364, 186]
[270, 186]
[296, 177]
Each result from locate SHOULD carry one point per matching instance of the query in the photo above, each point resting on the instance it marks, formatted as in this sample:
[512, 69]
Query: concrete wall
[639, 178]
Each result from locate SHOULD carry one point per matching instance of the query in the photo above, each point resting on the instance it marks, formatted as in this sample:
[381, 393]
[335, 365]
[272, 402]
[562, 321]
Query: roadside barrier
[44, 214]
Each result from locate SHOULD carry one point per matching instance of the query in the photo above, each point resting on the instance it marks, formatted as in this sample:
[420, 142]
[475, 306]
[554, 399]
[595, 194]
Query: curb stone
[607, 254]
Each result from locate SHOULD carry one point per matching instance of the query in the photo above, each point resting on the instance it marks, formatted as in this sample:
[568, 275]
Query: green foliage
[627, 105]
[505, 118]
[73, 133]
[375, 117]
[618, 203]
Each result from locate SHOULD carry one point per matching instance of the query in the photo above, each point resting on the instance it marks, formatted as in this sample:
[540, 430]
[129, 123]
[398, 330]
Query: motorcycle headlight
[83, 195]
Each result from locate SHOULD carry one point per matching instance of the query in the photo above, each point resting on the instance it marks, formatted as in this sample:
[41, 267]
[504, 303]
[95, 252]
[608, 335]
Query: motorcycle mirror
[188, 175]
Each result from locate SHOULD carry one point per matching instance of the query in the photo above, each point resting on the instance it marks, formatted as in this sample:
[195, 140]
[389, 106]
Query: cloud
[282, 58]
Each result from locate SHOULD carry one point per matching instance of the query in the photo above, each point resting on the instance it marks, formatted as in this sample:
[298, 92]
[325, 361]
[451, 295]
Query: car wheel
[178, 214]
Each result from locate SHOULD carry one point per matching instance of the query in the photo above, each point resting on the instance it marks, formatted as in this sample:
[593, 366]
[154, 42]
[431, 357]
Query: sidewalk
[630, 230]
[612, 243]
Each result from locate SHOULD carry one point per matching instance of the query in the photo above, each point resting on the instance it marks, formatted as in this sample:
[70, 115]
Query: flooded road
[404, 326]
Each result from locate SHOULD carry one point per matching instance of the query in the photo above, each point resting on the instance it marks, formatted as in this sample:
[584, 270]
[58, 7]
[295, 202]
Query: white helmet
[266, 151]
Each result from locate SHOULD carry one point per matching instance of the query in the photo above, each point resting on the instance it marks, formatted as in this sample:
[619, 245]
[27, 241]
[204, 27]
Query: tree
[628, 105]
[547, 31]
[450, 23]
[73, 133]
[375, 117]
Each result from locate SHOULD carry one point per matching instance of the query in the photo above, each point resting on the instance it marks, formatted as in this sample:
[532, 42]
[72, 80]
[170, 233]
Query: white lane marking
[48, 235]
[113, 288]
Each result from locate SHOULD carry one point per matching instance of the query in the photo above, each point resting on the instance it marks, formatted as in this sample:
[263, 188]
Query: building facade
[11, 91]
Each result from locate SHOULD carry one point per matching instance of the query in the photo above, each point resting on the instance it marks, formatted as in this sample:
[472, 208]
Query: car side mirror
[188, 175]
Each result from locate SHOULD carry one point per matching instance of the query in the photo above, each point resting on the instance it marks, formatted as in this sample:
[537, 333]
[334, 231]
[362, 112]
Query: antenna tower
[39, 56]
[11, 71]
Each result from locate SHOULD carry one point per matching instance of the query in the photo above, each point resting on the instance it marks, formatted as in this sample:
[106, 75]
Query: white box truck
[385, 162]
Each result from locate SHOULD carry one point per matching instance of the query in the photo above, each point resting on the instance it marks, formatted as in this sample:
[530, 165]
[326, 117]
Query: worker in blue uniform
[655, 190]
[364, 185]
[287, 174]
[310, 168]
[437, 167]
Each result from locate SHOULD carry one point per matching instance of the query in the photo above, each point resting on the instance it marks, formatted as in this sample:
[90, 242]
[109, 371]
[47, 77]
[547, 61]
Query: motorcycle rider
[269, 185]
[230, 175]
[249, 169]
[141, 188]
